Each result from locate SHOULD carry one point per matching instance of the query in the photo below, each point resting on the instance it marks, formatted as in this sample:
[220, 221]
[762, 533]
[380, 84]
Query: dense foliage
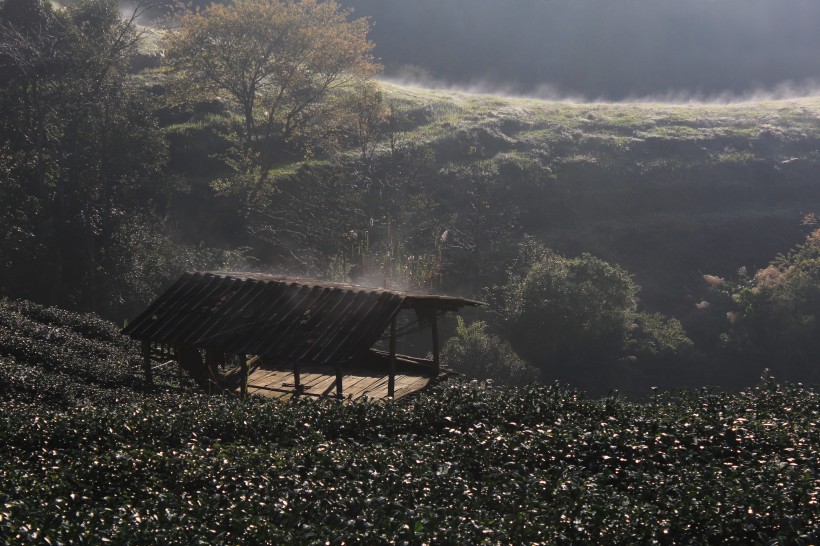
[82, 197]
[81, 149]
[577, 319]
[773, 315]
[481, 355]
[115, 177]
[94, 460]
[277, 63]
[571, 310]
[108, 189]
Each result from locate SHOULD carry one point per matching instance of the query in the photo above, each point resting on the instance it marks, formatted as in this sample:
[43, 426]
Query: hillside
[634, 251]
[667, 191]
[670, 192]
[91, 457]
[652, 222]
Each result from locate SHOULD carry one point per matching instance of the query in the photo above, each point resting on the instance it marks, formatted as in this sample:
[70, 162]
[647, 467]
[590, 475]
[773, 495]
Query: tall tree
[276, 60]
[80, 145]
[366, 117]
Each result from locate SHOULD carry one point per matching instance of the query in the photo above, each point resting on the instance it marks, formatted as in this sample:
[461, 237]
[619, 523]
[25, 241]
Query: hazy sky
[611, 49]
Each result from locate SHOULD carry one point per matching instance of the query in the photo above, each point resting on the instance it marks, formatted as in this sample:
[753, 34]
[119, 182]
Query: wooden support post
[391, 380]
[339, 390]
[297, 379]
[146, 363]
[243, 367]
[436, 364]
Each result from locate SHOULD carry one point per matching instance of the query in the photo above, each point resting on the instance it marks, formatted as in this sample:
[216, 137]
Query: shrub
[88, 459]
[481, 355]
[570, 310]
[657, 337]
[576, 318]
[772, 317]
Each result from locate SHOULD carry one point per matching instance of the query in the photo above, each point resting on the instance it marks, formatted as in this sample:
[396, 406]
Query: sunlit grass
[205, 122]
[692, 137]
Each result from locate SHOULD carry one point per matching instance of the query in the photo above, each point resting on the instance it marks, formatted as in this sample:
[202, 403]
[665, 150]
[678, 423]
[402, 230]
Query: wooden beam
[391, 382]
[436, 364]
[339, 390]
[146, 364]
[328, 389]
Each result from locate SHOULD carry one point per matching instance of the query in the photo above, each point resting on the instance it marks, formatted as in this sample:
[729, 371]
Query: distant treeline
[601, 49]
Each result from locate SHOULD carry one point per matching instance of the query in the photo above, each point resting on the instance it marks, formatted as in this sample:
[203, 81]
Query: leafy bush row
[85, 347]
[464, 464]
[88, 462]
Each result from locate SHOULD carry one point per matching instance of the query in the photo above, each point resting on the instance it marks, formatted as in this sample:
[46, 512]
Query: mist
[589, 50]
[781, 92]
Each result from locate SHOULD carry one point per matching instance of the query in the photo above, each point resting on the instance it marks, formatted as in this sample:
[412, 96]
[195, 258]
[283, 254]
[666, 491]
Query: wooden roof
[286, 318]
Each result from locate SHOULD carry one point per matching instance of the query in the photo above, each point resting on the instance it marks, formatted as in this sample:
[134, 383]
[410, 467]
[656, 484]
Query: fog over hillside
[595, 49]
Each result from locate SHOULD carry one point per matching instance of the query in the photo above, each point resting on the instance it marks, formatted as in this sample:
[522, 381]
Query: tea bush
[90, 460]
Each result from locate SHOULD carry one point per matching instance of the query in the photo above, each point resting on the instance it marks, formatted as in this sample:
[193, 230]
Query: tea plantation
[89, 457]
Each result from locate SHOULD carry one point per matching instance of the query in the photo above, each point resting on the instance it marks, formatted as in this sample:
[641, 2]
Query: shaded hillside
[159, 171]
[665, 191]
[668, 192]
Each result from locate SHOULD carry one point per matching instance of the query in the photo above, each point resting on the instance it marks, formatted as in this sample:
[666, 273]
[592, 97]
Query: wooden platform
[277, 381]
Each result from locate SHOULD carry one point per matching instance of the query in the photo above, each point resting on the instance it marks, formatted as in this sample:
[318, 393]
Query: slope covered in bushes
[91, 457]
[669, 192]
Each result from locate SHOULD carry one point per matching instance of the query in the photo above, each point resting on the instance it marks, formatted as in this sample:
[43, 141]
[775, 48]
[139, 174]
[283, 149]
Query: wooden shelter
[282, 336]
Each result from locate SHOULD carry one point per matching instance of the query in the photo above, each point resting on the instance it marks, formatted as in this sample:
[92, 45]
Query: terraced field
[90, 457]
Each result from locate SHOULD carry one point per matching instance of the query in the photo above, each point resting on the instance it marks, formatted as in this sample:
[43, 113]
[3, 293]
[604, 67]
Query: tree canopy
[79, 148]
[276, 60]
[571, 310]
[773, 317]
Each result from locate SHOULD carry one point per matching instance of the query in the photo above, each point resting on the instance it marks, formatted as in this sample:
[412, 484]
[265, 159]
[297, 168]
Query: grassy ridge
[88, 460]
[667, 191]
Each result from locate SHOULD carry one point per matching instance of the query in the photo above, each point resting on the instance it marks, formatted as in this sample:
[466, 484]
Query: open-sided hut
[289, 336]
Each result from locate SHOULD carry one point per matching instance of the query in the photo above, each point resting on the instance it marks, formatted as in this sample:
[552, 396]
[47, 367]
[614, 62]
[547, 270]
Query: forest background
[619, 245]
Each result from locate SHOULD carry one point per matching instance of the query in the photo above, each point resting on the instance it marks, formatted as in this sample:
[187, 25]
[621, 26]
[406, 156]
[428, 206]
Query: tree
[276, 60]
[365, 116]
[80, 146]
[656, 338]
[773, 318]
[571, 310]
[576, 318]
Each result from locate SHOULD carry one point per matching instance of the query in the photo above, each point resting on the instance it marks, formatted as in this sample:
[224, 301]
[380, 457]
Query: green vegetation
[81, 151]
[577, 320]
[773, 315]
[657, 337]
[266, 146]
[480, 355]
[113, 191]
[570, 311]
[277, 63]
[89, 457]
